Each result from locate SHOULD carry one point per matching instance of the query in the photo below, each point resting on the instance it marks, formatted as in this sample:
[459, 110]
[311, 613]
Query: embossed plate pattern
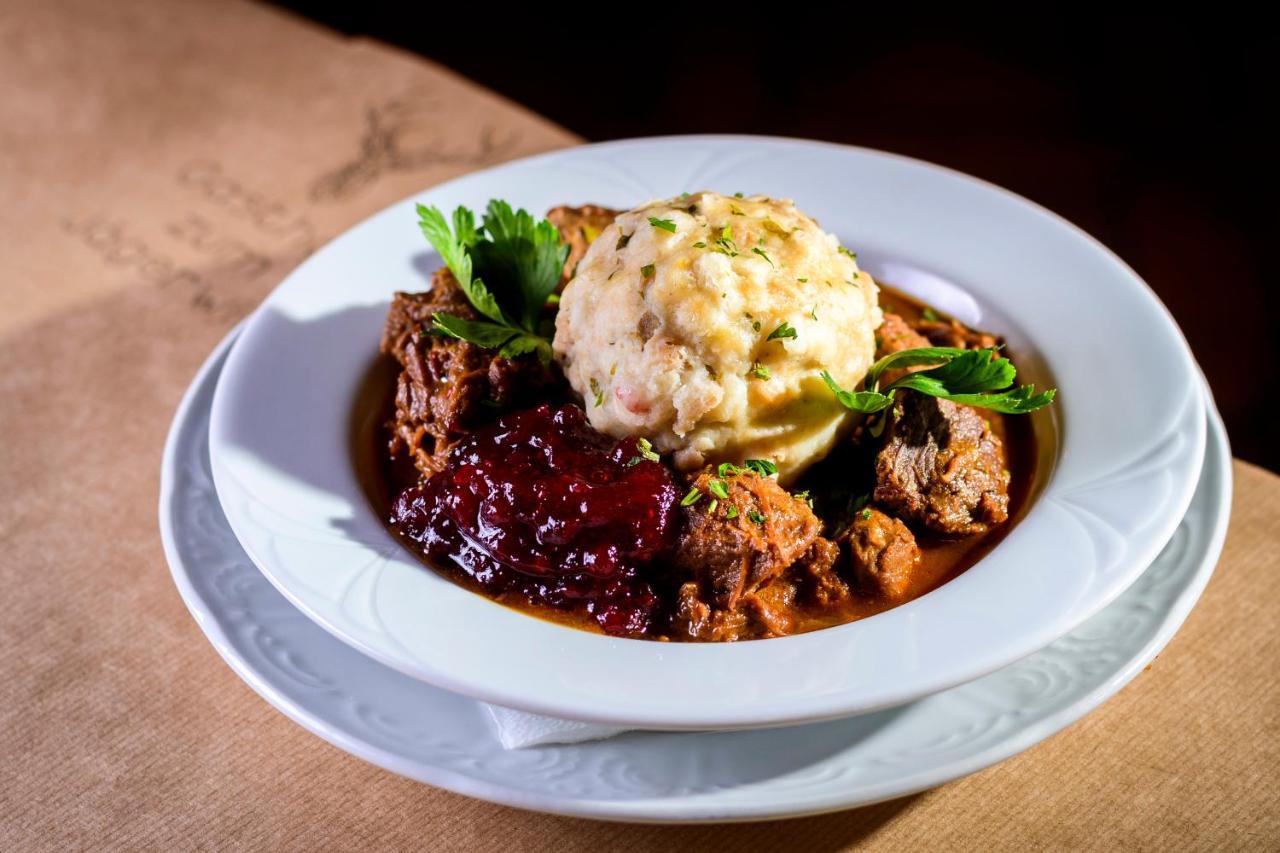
[1119, 470]
[443, 739]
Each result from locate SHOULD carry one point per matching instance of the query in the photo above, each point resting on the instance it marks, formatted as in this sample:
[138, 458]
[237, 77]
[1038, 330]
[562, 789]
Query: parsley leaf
[760, 371]
[757, 250]
[786, 330]
[664, 224]
[763, 467]
[718, 488]
[646, 450]
[508, 267]
[692, 497]
[977, 377]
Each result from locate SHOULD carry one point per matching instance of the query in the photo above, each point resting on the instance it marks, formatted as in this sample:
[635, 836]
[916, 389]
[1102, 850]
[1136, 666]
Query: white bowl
[1120, 450]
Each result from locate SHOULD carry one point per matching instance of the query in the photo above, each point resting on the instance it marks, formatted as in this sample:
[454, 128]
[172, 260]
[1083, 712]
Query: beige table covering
[162, 166]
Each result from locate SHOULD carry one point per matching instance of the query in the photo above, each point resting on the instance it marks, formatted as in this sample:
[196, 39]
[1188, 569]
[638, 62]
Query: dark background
[1148, 133]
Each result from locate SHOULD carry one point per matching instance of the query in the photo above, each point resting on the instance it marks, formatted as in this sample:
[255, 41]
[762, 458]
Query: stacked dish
[294, 575]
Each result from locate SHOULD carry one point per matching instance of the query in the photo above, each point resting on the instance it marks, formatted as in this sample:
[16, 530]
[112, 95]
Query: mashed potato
[679, 336]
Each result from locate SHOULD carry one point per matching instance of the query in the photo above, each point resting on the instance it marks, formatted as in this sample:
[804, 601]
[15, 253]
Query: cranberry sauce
[542, 506]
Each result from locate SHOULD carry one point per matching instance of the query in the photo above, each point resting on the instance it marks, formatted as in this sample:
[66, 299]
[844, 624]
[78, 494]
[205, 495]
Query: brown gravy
[941, 559]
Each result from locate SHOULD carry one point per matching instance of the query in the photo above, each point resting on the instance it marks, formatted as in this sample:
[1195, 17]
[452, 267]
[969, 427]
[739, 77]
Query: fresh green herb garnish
[646, 272]
[853, 255]
[735, 210]
[711, 507]
[718, 488]
[757, 250]
[699, 245]
[866, 514]
[759, 371]
[755, 326]
[786, 330]
[731, 511]
[597, 391]
[770, 225]
[724, 243]
[804, 496]
[763, 467]
[803, 280]
[664, 224]
[728, 469]
[692, 497]
[813, 313]
[930, 315]
[508, 267]
[757, 517]
[646, 451]
[976, 377]
[737, 195]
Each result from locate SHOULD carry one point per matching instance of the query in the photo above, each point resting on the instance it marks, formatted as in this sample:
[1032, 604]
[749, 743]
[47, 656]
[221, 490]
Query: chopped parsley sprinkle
[737, 195]
[804, 496]
[853, 255]
[597, 391]
[930, 315]
[760, 371]
[731, 511]
[757, 250]
[683, 196]
[813, 313]
[646, 271]
[786, 330]
[647, 452]
[763, 467]
[735, 210]
[699, 245]
[866, 514]
[664, 224]
[623, 240]
[858, 503]
[711, 507]
[757, 517]
[803, 280]
[718, 488]
[728, 469]
[691, 498]
[775, 228]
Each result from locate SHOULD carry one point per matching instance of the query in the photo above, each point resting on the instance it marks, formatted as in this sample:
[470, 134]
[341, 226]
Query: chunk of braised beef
[446, 386]
[748, 538]
[895, 335]
[953, 333]
[542, 506]
[579, 226]
[941, 466]
[817, 577]
[882, 553]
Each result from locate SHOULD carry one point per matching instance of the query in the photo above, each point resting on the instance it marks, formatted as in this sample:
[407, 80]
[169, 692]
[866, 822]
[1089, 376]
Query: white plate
[1117, 475]
[422, 732]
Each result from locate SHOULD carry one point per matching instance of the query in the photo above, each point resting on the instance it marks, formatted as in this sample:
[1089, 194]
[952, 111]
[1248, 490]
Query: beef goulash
[698, 420]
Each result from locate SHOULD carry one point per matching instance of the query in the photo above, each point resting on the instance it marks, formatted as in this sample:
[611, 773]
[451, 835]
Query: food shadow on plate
[283, 436]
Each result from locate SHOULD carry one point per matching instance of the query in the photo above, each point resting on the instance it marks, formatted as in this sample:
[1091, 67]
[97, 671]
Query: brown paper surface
[163, 165]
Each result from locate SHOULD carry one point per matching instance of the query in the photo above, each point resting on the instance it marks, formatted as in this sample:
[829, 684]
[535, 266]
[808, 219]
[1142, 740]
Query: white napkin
[518, 729]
